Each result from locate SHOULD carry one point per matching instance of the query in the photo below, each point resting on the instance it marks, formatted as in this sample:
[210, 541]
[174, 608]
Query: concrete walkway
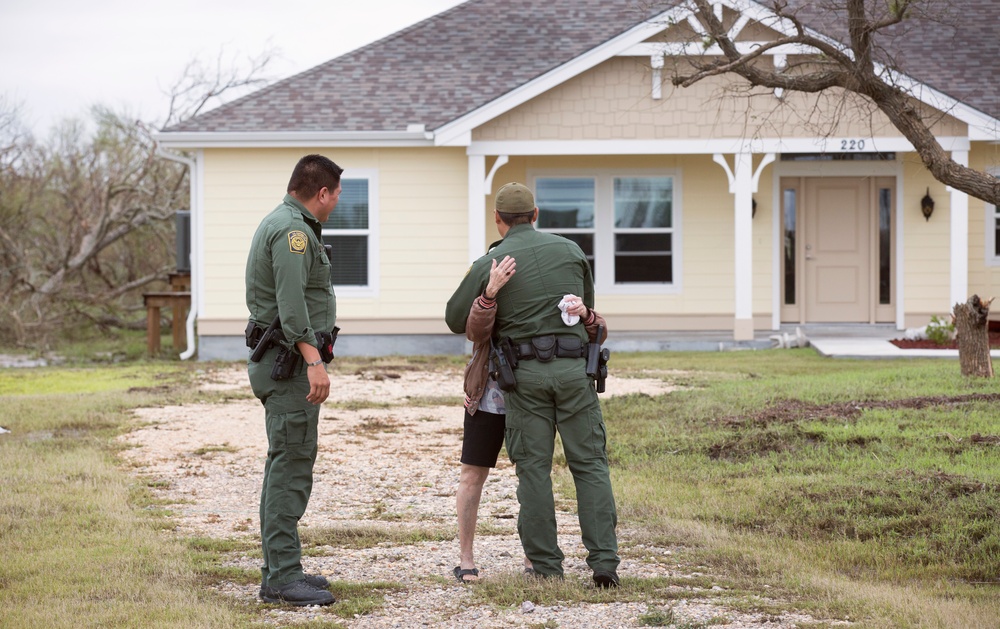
[834, 341]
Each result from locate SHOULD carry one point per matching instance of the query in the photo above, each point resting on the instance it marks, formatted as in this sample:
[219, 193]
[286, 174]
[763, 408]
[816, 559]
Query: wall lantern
[927, 205]
[753, 207]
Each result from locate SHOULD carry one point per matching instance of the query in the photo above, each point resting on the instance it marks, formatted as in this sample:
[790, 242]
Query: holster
[503, 362]
[286, 364]
[325, 342]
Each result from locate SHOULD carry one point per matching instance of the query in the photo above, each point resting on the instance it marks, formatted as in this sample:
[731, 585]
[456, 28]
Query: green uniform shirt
[548, 267]
[288, 274]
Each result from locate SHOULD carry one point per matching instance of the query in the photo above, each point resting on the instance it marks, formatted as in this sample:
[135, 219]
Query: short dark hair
[510, 219]
[312, 174]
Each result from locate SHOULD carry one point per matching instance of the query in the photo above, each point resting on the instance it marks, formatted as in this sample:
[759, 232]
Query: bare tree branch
[854, 69]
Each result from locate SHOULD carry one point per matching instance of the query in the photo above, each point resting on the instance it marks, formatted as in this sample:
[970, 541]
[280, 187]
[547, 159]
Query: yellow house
[713, 207]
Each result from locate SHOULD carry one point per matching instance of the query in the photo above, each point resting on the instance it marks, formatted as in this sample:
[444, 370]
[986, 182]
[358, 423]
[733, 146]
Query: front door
[837, 265]
[837, 242]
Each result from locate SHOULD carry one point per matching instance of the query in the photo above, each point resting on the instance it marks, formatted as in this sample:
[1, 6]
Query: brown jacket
[479, 328]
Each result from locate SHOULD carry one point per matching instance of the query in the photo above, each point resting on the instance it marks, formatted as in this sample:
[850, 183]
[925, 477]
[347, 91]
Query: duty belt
[546, 347]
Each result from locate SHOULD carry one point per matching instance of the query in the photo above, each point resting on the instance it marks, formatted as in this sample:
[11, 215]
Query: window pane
[565, 203]
[349, 259]
[644, 201]
[642, 243]
[996, 230]
[643, 268]
[885, 246]
[643, 258]
[789, 233]
[352, 209]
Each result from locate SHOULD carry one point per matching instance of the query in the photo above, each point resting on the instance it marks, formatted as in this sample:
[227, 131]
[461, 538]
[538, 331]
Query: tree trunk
[973, 337]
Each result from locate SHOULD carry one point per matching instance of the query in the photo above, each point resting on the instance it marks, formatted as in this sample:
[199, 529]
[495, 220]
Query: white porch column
[743, 245]
[741, 185]
[477, 206]
[959, 239]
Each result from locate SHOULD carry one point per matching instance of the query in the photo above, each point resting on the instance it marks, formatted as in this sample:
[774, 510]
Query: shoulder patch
[297, 242]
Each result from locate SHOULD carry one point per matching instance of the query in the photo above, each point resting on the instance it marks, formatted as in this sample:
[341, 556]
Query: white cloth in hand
[568, 319]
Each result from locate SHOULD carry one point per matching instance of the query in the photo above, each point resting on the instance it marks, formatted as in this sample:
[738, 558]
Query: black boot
[298, 593]
[605, 579]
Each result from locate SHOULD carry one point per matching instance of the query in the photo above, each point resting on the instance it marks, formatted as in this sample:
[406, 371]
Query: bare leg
[470, 490]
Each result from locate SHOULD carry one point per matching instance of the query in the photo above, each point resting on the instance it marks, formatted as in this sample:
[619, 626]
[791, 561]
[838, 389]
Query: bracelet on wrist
[318, 361]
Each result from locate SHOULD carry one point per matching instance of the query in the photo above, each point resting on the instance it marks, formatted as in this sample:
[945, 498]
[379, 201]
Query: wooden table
[178, 300]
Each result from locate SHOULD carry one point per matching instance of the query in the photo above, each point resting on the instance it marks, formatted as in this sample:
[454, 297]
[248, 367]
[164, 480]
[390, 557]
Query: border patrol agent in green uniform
[553, 391]
[288, 278]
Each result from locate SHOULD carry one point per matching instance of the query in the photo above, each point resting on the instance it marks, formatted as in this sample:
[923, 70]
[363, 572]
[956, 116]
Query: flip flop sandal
[460, 574]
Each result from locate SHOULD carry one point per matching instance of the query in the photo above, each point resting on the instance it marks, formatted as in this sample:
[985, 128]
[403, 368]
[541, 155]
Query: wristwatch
[318, 361]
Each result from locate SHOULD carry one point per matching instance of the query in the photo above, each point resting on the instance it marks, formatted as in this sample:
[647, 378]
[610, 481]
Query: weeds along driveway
[387, 470]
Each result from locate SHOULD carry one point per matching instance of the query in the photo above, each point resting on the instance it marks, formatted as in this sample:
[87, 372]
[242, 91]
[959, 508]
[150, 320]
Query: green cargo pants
[552, 396]
[291, 452]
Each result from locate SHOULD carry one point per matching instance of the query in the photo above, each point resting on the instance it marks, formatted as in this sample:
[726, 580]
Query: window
[348, 231]
[625, 223]
[790, 198]
[992, 228]
[566, 207]
[885, 246]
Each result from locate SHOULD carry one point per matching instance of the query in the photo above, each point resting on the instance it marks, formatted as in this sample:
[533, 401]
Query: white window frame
[604, 226]
[992, 213]
[372, 233]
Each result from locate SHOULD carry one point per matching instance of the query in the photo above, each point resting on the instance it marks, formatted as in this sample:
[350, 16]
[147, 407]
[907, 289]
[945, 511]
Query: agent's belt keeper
[545, 348]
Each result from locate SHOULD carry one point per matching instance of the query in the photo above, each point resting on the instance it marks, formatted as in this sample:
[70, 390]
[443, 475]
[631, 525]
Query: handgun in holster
[597, 361]
[261, 342]
[503, 362]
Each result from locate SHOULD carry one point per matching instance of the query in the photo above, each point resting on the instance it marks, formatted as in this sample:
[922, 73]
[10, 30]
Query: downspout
[195, 258]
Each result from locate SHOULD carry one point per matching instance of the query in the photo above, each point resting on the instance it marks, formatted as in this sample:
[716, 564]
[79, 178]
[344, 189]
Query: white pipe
[195, 258]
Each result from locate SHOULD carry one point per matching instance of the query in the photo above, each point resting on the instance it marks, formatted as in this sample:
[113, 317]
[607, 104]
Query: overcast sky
[59, 57]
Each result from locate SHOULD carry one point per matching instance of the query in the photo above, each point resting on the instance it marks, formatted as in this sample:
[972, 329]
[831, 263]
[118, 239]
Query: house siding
[422, 197]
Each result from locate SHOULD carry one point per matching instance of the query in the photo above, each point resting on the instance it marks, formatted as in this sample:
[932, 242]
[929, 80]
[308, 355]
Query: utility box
[183, 241]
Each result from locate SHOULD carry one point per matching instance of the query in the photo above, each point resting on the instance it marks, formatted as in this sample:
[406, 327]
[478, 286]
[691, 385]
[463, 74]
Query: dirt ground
[388, 457]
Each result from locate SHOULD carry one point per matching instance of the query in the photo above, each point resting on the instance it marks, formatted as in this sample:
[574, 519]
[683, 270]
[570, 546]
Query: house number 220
[852, 145]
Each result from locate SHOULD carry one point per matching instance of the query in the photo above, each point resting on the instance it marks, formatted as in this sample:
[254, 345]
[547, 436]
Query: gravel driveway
[388, 457]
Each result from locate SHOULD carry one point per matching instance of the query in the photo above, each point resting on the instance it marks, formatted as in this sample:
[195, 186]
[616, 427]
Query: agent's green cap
[515, 198]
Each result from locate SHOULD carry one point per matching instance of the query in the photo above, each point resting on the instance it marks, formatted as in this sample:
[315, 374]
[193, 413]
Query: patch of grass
[356, 405]
[657, 618]
[74, 524]
[452, 401]
[370, 536]
[225, 447]
[358, 599]
[874, 472]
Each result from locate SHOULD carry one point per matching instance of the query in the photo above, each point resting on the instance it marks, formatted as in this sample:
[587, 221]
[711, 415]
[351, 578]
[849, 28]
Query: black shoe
[604, 579]
[315, 580]
[298, 593]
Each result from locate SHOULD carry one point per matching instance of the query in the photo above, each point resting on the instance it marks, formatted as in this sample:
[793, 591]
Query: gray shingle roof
[431, 72]
[950, 46]
[448, 65]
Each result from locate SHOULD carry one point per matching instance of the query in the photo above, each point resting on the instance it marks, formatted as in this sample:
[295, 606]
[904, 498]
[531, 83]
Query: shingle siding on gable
[613, 101]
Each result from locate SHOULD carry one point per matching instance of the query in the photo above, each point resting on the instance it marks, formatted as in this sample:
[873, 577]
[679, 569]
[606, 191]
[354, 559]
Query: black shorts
[482, 438]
